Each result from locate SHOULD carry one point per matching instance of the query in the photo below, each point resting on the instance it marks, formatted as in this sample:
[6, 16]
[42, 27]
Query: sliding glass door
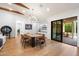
[56, 30]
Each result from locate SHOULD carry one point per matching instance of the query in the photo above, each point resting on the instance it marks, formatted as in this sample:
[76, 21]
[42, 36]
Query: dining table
[33, 39]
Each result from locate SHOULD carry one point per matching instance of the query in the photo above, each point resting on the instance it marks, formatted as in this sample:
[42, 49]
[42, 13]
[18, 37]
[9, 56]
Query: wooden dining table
[33, 39]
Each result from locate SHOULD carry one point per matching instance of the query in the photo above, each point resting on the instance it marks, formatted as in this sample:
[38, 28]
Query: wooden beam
[22, 5]
[17, 12]
[6, 9]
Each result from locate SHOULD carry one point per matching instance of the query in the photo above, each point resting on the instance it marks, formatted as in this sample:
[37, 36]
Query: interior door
[56, 30]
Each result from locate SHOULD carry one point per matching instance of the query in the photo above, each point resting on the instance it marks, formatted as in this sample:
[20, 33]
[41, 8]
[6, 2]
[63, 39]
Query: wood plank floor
[13, 48]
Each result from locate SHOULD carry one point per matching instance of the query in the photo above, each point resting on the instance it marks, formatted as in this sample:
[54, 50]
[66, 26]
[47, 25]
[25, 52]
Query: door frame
[56, 30]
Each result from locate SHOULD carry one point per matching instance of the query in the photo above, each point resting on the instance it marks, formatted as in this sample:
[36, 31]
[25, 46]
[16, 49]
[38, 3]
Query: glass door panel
[59, 30]
[56, 30]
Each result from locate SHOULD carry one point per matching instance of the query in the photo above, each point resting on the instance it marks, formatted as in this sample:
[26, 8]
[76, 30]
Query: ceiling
[41, 10]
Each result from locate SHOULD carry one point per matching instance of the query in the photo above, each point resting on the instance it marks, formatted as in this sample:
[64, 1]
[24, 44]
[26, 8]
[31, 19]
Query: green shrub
[68, 27]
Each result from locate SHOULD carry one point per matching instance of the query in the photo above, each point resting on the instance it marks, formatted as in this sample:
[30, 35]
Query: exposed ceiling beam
[22, 5]
[6, 9]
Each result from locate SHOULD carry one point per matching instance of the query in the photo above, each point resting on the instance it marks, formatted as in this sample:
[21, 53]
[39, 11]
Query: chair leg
[40, 44]
[24, 44]
[45, 42]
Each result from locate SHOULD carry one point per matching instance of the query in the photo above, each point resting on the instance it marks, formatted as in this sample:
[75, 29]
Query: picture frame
[28, 26]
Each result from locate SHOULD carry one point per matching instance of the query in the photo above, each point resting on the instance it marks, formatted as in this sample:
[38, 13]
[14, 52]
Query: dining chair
[41, 41]
[25, 39]
[22, 40]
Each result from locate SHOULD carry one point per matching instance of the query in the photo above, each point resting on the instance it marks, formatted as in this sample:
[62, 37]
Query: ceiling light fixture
[10, 9]
[10, 3]
[23, 10]
[48, 9]
[41, 5]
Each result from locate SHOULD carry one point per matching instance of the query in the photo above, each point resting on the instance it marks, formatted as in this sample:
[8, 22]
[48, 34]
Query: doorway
[18, 28]
[65, 30]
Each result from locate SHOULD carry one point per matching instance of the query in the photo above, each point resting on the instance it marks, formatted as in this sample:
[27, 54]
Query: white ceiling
[54, 7]
[39, 10]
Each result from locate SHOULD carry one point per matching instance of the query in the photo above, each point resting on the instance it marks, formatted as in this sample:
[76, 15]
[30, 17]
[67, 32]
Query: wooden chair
[41, 41]
[22, 40]
[25, 40]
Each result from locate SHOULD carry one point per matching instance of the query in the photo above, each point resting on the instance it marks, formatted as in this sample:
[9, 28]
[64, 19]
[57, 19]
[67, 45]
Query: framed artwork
[28, 26]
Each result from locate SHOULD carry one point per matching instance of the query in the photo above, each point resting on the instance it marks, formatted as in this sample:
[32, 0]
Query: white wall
[7, 18]
[35, 26]
[62, 15]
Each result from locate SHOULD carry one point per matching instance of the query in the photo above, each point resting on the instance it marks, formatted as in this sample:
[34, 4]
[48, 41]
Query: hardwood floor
[13, 48]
